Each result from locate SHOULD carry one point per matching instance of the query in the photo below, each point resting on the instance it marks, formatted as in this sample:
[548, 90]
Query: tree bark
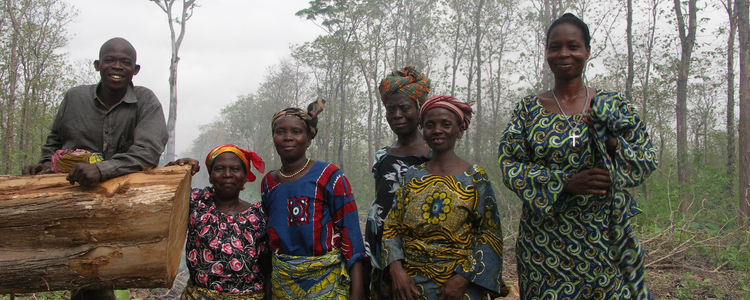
[743, 25]
[687, 40]
[478, 115]
[631, 71]
[175, 43]
[125, 232]
[731, 130]
[15, 20]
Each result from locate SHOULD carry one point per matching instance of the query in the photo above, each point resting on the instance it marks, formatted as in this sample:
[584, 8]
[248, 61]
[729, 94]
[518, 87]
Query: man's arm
[149, 139]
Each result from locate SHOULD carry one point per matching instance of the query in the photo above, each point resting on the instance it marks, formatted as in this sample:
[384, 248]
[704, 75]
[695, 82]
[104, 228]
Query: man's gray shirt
[131, 135]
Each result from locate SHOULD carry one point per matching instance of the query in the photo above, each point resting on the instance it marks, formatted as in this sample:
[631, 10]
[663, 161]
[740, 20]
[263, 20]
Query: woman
[226, 244]
[313, 226]
[443, 239]
[568, 153]
[402, 93]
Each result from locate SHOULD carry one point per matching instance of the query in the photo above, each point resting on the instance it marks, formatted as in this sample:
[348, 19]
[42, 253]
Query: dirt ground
[687, 277]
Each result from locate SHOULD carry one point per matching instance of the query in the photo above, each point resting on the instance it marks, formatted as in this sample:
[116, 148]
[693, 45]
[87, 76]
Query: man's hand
[454, 288]
[194, 163]
[36, 169]
[84, 174]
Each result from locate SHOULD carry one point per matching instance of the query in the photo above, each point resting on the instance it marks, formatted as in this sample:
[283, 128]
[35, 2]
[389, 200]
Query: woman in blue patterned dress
[442, 238]
[226, 250]
[313, 224]
[569, 153]
[402, 93]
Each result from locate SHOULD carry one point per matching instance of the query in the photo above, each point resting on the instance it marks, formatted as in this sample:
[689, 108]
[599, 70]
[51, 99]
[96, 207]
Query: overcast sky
[227, 48]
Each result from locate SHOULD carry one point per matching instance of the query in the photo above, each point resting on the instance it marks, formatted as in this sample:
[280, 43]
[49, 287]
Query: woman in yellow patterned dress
[443, 239]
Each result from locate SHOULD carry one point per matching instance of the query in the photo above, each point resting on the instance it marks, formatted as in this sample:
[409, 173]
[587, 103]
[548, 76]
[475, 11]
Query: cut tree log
[126, 232]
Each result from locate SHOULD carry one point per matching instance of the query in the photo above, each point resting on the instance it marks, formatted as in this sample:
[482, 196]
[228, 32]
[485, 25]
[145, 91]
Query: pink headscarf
[458, 107]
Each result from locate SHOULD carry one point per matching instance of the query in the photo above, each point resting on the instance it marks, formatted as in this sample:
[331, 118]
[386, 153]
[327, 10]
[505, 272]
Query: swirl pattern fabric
[577, 246]
[446, 225]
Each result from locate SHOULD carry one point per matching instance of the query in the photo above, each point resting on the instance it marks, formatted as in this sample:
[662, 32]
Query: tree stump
[126, 232]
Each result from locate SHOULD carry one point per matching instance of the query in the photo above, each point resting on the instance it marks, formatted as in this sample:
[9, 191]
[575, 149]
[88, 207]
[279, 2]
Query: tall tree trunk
[478, 115]
[342, 99]
[16, 15]
[647, 76]
[175, 43]
[172, 116]
[631, 72]
[731, 133]
[687, 40]
[744, 127]
[456, 55]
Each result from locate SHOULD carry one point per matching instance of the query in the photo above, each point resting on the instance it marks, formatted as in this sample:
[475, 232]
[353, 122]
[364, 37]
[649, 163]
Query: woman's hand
[403, 284]
[183, 161]
[612, 147]
[454, 288]
[610, 143]
[590, 182]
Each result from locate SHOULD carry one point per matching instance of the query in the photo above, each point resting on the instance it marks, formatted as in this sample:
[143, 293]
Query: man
[122, 122]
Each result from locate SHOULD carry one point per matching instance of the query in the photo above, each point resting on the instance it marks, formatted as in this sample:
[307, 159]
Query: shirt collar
[128, 98]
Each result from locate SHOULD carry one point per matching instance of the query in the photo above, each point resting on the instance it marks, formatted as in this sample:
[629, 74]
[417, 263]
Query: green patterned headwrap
[407, 81]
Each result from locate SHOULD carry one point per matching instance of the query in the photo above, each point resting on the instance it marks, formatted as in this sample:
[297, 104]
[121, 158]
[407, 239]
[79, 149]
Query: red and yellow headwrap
[458, 107]
[247, 157]
[407, 81]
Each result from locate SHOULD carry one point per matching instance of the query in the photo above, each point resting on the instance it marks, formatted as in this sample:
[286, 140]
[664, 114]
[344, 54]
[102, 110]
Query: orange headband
[247, 157]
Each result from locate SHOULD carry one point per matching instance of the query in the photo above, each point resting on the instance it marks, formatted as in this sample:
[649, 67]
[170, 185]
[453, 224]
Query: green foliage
[122, 294]
[31, 86]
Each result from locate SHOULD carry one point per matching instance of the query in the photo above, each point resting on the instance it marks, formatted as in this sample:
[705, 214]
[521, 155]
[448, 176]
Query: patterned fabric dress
[313, 227]
[446, 225]
[388, 171]
[222, 250]
[577, 246]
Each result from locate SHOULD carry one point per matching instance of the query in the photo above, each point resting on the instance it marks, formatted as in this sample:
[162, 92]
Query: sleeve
[635, 157]
[536, 185]
[485, 266]
[346, 220]
[150, 137]
[393, 226]
[262, 238]
[54, 141]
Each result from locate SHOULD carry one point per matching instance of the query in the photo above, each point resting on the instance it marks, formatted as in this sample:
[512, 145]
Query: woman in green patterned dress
[569, 153]
[442, 239]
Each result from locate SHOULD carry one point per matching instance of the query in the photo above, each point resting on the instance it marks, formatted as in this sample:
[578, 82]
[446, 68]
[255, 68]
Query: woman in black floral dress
[226, 235]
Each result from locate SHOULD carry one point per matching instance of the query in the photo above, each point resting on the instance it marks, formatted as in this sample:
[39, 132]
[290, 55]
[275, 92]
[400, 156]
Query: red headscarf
[458, 107]
[246, 156]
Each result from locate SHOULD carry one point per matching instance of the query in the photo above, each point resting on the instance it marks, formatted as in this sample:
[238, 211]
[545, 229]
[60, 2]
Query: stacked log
[126, 232]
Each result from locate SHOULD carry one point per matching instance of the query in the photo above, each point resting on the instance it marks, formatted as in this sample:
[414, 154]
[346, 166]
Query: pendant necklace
[574, 130]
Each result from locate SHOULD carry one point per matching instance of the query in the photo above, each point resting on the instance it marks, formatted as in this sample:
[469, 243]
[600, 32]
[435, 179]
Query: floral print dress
[222, 251]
